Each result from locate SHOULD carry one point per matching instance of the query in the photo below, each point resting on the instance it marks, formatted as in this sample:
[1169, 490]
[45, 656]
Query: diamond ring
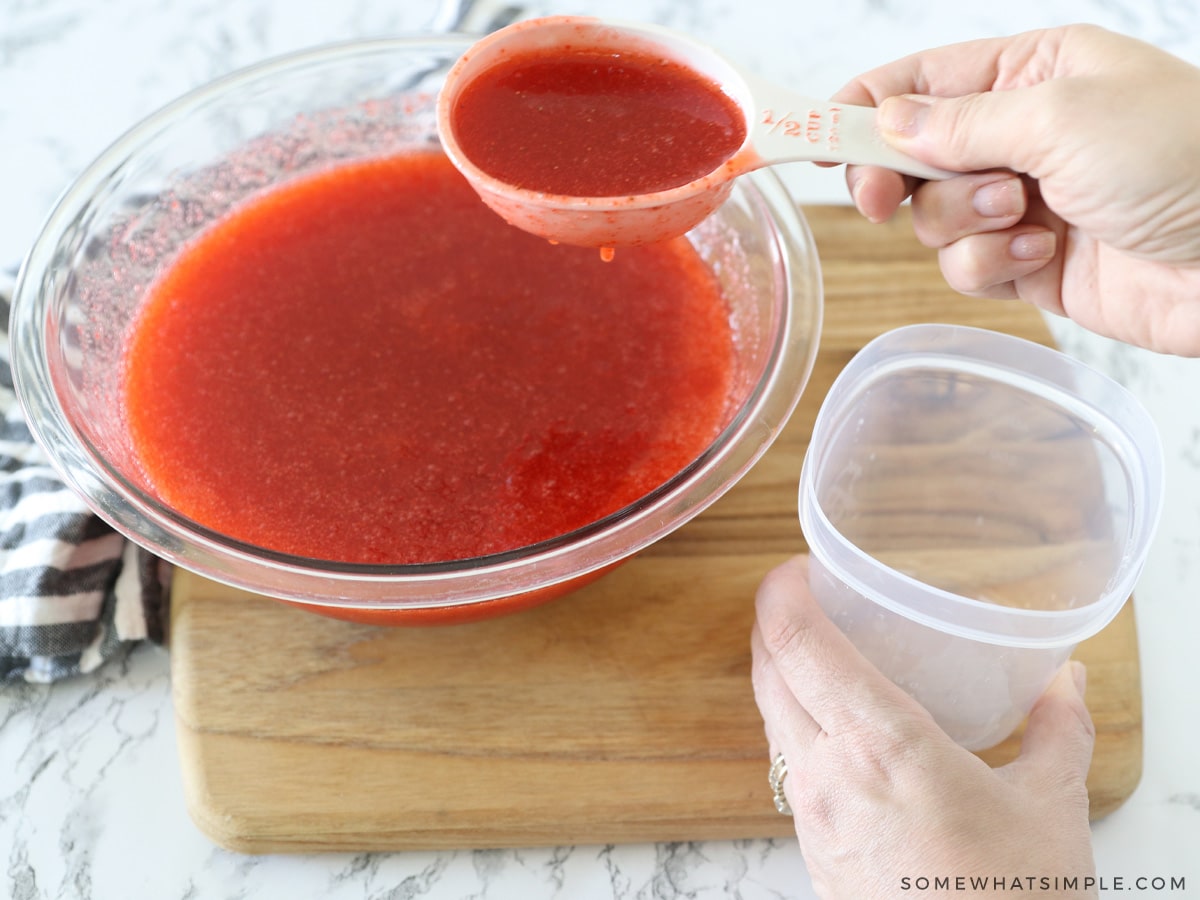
[779, 772]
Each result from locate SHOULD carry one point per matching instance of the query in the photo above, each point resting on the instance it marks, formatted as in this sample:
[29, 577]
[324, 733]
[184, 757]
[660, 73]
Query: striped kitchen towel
[73, 592]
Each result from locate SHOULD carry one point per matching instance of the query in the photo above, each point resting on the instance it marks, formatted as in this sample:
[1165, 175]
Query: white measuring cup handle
[790, 127]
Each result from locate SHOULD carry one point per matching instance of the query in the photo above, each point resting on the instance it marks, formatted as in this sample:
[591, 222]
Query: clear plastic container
[976, 505]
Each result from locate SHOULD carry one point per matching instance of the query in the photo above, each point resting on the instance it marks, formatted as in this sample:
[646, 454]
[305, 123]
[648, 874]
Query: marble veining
[91, 803]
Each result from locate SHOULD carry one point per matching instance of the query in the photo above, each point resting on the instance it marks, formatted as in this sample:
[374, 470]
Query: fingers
[993, 130]
[790, 730]
[994, 236]
[1059, 735]
[876, 192]
[829, 679]
[938, 106]
[961, 107]
[945, 211]
[994, 264]
[787, 722]
[952, 70]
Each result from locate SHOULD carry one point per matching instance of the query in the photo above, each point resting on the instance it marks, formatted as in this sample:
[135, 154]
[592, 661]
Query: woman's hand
[1082, 192]
[879, 793]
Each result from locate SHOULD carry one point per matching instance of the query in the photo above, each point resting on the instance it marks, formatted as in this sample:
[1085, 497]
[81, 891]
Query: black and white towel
[73, 592]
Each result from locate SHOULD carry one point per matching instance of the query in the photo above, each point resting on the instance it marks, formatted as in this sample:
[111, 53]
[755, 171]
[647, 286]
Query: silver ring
[775, 777]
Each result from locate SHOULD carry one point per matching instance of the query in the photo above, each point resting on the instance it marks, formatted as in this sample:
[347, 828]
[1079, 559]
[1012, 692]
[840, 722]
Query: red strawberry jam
[367, 365]
[594, 123]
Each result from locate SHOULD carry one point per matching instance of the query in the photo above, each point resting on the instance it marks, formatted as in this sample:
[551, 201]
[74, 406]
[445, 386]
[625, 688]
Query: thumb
[990, 130]
[1059, 734]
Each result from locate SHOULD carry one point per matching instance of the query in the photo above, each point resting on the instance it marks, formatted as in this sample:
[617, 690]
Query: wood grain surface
[620, 713]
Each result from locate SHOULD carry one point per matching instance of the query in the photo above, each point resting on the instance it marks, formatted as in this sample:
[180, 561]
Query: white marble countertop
[90, 799]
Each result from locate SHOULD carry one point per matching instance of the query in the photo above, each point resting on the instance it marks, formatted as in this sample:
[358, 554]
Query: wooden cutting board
[621, 713]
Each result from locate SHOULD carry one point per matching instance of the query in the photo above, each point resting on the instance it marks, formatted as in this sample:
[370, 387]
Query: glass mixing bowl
[130, 212]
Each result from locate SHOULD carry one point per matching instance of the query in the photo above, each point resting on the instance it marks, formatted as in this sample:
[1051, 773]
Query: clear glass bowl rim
[143, 520]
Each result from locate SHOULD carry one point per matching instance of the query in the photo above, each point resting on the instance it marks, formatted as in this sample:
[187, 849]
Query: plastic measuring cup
[975, 506]
[781, 126]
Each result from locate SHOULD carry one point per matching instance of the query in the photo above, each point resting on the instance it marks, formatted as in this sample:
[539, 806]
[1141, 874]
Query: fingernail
[999, 198]
[903, 115]
[1032, 246]
[1079, 674]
